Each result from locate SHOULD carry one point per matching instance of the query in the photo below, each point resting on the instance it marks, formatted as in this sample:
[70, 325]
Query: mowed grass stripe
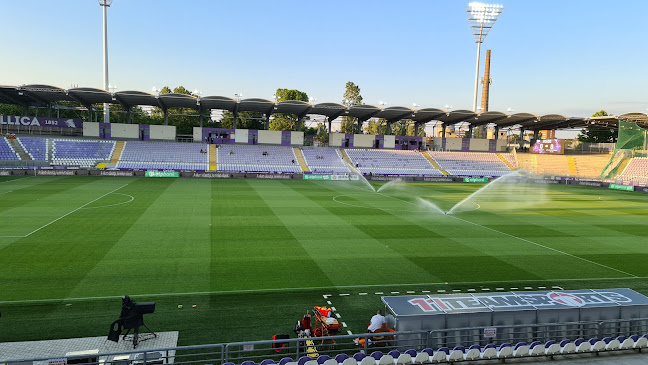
[425, 239]
[164, 249]
[51, 262]
[37, 204]
[251, 246]
[337, 244]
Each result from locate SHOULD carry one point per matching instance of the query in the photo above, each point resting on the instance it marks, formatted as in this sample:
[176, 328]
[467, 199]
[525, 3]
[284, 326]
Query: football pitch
[253, 256]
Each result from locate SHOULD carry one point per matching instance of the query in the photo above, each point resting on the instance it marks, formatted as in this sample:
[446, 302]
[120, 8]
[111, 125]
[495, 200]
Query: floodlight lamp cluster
[106, 3]
[482, 17]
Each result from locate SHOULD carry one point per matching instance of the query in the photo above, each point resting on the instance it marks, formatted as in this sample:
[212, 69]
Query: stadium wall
[363, 141]
[389, 142]
[241, 136]
[270, 137]
[119, 130]
[472, 145]
[297, 138]
[90, 129]
[167, 132]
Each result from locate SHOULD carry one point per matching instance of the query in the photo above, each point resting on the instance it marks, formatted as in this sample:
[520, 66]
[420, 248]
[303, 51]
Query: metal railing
[295, 348]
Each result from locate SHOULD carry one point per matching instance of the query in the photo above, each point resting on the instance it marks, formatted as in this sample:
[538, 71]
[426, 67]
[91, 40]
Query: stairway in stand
[19, 149]
[300, 159]
[119, 148]
[213, 157]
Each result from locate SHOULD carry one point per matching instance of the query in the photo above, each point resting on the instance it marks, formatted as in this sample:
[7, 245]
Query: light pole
[481, 17]
[105, 4]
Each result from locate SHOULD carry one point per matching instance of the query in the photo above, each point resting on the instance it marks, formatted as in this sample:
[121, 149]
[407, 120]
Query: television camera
[132, 318]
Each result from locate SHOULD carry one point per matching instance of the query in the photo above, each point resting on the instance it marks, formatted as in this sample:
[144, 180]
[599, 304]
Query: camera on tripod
[132, 318]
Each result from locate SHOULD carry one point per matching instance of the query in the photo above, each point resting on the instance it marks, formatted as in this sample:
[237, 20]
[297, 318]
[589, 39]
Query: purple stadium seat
[376, 355]
[267, 362]
[322, 358]
[248, 362]
[285, 360]
[394, 353]
[428, 351]
[340, 358]
[411, 352]
[302, 360]
[358, 356]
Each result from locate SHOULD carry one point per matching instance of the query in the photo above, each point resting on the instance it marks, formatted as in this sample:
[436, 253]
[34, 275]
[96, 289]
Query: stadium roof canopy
[44, 95]
[612, 121]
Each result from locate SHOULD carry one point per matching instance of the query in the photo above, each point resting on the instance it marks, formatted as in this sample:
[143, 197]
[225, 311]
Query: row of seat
[474, 352]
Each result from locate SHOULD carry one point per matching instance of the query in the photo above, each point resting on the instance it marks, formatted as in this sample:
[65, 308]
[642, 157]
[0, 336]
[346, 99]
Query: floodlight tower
[105, 4]
[481, 17]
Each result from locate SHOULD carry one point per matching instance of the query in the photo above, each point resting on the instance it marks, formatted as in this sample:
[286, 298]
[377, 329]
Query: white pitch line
[333, 309]
[485, 289]
[379, 293]
[411, 292]
[328, 302]
[338, 315]
[326, 296]
[349, 332]
[514, 288]
[344, 324]
[344, 295]
[362, 293]
[66, 214]
[395, 292]
[527, 288]
[499, 288]
[456, 290]
[425, 291]
[279, 290]
[542, 287]
[471, 289]
[546, 247]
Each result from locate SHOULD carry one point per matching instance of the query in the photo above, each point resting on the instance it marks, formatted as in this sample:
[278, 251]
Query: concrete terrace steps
[434, 163]
[19, 149]
[506, 162]
[348, 160]
[300, 158]
[119, 148]
[571, 163]
[213, 157]
[591, 165]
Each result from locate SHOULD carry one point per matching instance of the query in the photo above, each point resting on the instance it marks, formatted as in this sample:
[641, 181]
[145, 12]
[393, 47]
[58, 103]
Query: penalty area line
[547, 247]
[66, 214]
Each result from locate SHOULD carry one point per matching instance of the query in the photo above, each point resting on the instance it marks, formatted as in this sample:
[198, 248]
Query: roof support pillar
[267, 120]
[328, 119]
[235, 116]
[443, 130]
[521, 138]
[470, 131]
[49, 110]
[166, 116]
[201, 119]
[129, 115]
[496, 131]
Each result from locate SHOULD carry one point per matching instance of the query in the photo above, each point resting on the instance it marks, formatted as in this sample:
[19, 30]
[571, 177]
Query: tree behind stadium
[282, 121]
[351, 97]
[598, 135]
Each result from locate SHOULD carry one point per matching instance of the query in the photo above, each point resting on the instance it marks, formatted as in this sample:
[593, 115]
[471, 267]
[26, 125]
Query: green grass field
[254, 255]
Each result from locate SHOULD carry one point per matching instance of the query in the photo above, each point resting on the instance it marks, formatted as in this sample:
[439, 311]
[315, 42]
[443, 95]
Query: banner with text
[621, 187]
[40, 121]
[162, 174]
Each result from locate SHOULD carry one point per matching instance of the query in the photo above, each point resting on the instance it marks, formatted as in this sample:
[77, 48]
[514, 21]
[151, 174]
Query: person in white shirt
[377, 322]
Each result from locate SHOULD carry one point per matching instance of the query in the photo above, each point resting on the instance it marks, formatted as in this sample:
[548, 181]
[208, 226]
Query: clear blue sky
[567, 57]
